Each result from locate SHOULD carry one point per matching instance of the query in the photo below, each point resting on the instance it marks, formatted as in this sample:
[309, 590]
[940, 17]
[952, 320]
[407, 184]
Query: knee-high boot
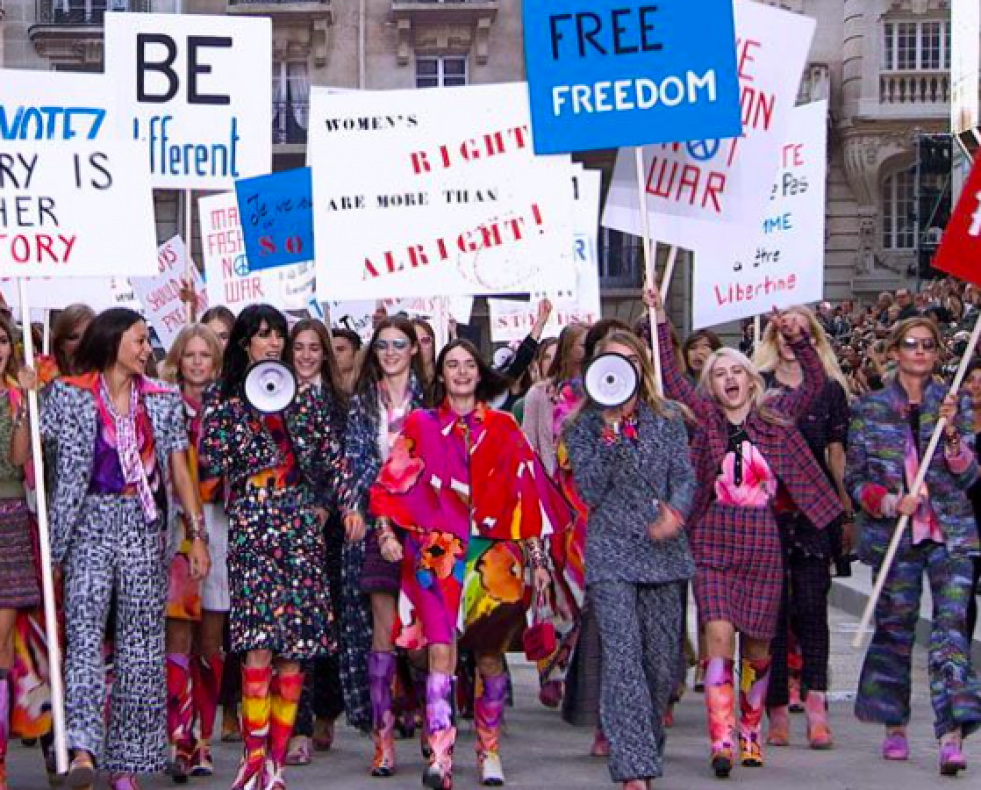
[754, 677]
[256, 712]
[381, 670]
[180, 710]
[488, 714]
[441, 732]
[720, 703]
[4, 726]
[206, 672]
[286, 691]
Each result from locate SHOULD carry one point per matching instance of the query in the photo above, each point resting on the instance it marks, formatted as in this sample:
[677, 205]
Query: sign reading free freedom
[630, 72]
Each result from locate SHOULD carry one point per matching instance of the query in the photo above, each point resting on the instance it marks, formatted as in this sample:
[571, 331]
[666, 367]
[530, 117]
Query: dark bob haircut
[100, 344]
[235, 363]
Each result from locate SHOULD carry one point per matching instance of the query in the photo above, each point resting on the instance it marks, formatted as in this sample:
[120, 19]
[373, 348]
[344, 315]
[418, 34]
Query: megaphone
[270, 386]
[611, 380]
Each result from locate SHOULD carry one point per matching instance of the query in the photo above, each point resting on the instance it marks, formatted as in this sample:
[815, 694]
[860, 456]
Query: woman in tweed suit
[744, 447]
[889, 431]
[632, 469]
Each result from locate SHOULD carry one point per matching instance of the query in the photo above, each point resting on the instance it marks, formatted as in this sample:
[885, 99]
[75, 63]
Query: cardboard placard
[277, 218]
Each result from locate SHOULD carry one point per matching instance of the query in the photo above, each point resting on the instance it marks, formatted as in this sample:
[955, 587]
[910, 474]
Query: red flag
[960, 247]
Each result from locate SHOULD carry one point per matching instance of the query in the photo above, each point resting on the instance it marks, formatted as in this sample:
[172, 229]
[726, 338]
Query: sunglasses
[398, 345]
[912, 344]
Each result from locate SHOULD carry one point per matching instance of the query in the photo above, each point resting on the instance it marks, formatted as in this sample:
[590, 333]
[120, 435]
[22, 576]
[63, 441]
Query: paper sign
[75, 197]
[722, 180]
[197, 94]
[629, 73]
[783, 263]
[277, 218]
[161, 295]
[99, 293]
[229, 278]
[965, 80]
[358, 315]
[433, 193]
[959, 253]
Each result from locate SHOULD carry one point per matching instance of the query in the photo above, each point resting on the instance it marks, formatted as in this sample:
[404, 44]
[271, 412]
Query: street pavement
[540, 751]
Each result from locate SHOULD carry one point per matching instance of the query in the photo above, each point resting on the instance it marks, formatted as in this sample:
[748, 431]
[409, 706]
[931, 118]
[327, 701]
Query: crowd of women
[378, 547]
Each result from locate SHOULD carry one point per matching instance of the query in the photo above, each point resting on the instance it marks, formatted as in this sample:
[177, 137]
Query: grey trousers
[640, 631]
[114, 551]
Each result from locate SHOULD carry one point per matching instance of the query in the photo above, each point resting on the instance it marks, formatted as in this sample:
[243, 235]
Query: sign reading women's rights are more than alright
[197, 91]
[75, 197]
[604, 75]
[434, 193]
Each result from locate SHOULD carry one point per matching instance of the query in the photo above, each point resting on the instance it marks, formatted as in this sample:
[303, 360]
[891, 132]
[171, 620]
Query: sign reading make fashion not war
[722, 180]
[277, 218]
[781, 264]
[197, 93]
[603, 75]
[434, 193]
[75, 197]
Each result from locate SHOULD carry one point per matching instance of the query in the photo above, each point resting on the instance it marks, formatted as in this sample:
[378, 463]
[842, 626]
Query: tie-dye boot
[381, 671]
[488, 713]
[286, 691]
[720, 704]
[256, 712]
[180, 714]
[818, 729]
[754, 678]
[206, 673]
[442, 734]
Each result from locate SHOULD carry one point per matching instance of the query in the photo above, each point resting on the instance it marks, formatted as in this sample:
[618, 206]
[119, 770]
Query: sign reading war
[630, 72]
[75, 198]
[277, 218]
[197, 93]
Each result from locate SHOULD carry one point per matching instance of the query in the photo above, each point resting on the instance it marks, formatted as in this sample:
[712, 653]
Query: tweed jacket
[783, 446]
[69, 422]
[876, 441]
[236, 445]
[624, 481]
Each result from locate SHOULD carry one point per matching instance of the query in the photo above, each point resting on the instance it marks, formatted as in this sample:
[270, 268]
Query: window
[899, 194]
[621, 259]
[444, 71]
[291, 101]
[916, 46]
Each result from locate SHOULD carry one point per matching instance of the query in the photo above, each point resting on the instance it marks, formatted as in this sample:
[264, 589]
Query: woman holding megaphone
[275, 454]
[745, 447]
[629, 456]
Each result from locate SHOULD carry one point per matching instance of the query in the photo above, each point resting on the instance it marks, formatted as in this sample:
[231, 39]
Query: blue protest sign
[630, 72]
[277, 218]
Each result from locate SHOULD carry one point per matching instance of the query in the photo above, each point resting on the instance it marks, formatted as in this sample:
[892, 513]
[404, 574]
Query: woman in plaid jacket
[744, 447]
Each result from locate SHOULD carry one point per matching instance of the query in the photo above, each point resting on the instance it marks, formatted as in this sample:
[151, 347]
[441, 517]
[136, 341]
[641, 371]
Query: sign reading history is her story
[197, 92]
[434, 193]
[738, 275]
[629, 73]
[75, 197]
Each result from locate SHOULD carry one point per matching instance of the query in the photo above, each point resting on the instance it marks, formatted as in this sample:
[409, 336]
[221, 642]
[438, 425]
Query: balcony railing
[909, 88]
[84, 12]
[290, 122]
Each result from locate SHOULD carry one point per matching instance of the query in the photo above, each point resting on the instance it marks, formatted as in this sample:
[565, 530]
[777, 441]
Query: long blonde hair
[766, 358]
[171, 368]
[759, 397]
[647, 389]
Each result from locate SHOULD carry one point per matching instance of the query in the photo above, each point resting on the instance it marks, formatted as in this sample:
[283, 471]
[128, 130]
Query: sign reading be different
[603, 75]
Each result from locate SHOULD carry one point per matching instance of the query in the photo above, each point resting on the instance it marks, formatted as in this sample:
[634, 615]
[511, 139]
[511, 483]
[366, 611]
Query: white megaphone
[270, 386]
[611, 380]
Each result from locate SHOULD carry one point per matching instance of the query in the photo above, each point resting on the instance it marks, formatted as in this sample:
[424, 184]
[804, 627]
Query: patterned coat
[783, 447]
[876, 441]
[69, 422]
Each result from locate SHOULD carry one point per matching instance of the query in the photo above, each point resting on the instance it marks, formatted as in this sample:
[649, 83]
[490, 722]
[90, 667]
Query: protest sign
[358, 315]
[579, 302]
[229, 279]
[433, 193]
[161, 295]
[722, 180]
[196, 92]
[782, 264]
[75, 197]
[965, 80]
[277, 218]
[99, 293]
[959, 253]
[632, 73]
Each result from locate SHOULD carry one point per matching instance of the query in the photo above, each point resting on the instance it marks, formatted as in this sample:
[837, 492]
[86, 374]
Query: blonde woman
[742, 444]
[631, 467]
[195, 610]
[807, 551]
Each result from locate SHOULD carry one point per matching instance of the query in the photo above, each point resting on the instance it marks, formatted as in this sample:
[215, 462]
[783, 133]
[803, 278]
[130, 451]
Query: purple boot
[381, 670]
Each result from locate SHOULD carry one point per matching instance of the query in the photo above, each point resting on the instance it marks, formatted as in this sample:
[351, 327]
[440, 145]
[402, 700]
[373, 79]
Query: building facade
[882, 64]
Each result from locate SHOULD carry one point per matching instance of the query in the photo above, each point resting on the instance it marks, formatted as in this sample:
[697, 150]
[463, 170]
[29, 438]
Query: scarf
[128, 447]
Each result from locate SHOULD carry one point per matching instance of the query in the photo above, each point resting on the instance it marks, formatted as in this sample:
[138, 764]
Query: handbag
[539, 640]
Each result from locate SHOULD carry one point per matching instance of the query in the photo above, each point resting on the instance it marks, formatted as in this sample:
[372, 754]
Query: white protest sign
[434, 193]
[75, 198]
[228, 280]
[782, 264]
[99, 293]
[722, 180]
[161, 295]
[965, 80]
[197, 94]
[512, 319]
[358, 315]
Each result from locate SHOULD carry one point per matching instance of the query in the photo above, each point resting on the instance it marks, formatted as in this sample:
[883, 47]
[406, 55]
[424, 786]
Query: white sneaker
[492, 770]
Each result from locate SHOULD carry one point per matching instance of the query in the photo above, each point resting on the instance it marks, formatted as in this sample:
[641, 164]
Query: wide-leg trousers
[640, 633]
[114, 551]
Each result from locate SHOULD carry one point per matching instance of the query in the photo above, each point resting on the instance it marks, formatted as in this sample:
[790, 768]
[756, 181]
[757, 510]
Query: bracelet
[195, 528]
[536, 554]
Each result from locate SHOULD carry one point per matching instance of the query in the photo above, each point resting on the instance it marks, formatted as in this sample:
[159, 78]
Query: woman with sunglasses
[889, 433]
[273, 466]
[389, 387]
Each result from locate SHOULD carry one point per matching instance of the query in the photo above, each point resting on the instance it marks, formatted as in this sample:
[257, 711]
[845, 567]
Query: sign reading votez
[434, 193]
[75, 197]
[781, 263]
[197, 91]
[629, 73]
